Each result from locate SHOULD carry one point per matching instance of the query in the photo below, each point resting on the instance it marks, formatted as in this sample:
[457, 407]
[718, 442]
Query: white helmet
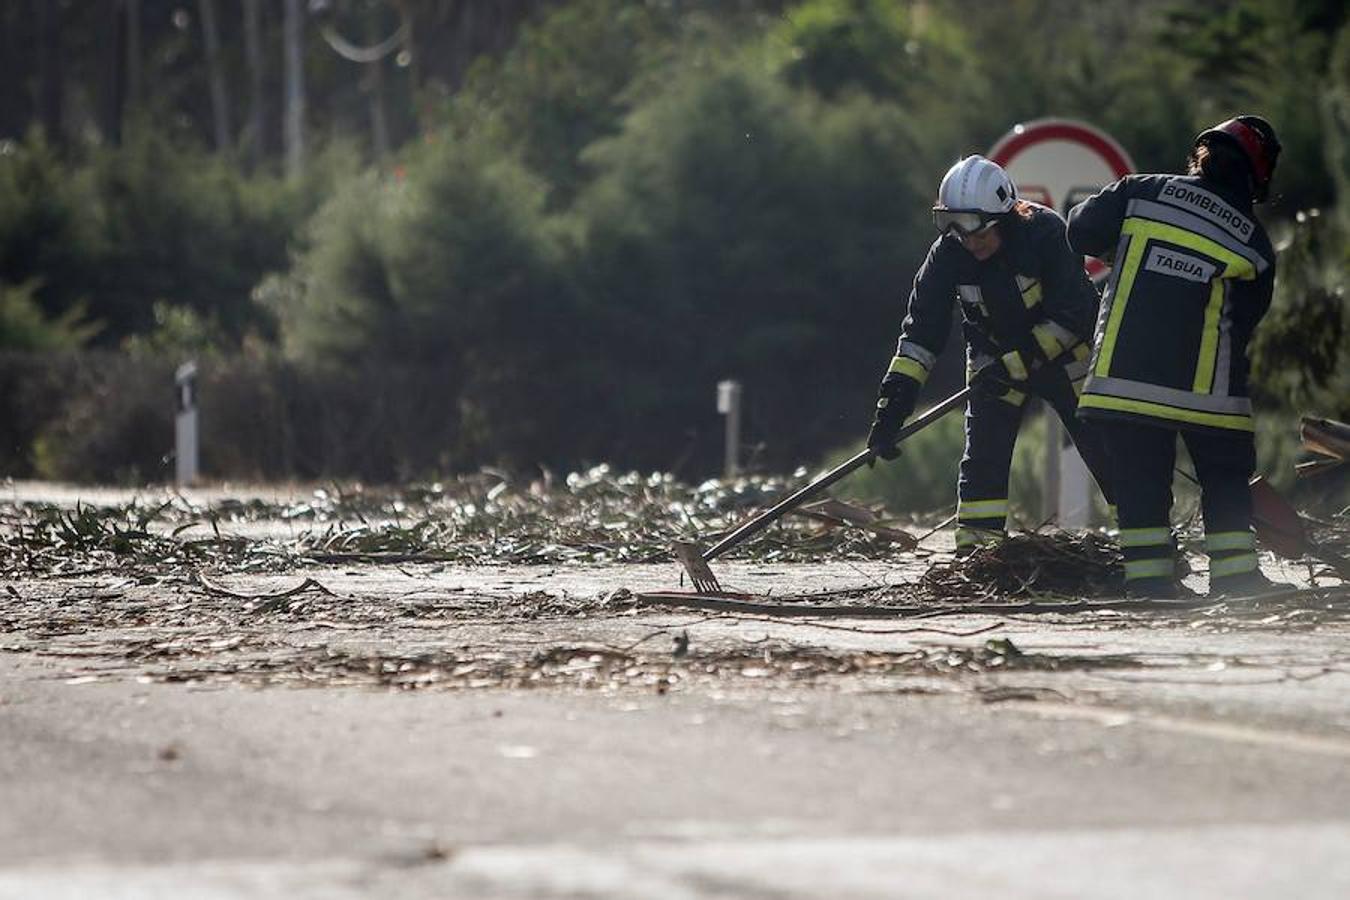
[975, 183]
[973, 194]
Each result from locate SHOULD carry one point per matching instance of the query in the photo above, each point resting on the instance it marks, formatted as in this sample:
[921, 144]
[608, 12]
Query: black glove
[1006, 373]
[895, 402]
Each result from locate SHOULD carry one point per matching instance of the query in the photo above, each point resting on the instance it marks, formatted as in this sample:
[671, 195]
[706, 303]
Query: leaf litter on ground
[595, 517]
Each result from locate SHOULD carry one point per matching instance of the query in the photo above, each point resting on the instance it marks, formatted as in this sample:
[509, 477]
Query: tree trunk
[114, 88]
[14, 40]
[379, 122]
[295, 88]
[220, 110]
[134, 96]
[51, 72]
[408, 19]
[255, 137]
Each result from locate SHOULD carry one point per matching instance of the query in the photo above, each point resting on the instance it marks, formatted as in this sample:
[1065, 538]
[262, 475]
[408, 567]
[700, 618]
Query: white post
[729, 405]
[1075, 489]
[293, 31]
[185, 425]
[1054, 436]
[1067, 497]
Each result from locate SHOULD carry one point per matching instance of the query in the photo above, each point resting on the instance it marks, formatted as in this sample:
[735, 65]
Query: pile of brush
[1060, 563]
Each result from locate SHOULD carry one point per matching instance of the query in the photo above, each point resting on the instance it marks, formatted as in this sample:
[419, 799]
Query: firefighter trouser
[993, 417]
[1142, 459]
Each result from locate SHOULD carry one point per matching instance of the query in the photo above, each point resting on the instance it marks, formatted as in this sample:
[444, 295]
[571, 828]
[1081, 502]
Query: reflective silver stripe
[1148, 568]
[1171, 215]
[1024, 282]
[1109, 294]
[978, 361]
[1142, 390]
[1064, 335]
[1118, 263]
[1067, 339]
[1224, 362]
[1232, 565]
[1076, 369]
[970, 294]
[914, 351]
[1230, 540]
[1146, 537]
[1208, 206]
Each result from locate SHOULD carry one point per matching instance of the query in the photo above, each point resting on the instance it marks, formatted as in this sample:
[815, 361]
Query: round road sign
[1060, 162]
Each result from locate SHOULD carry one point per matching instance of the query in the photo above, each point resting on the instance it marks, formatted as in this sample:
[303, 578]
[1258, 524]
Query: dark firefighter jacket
[1031, 299]
[1193, 274]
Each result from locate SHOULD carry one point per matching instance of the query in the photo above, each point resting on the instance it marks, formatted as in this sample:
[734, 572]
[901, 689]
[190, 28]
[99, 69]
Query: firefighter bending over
[1027, 309]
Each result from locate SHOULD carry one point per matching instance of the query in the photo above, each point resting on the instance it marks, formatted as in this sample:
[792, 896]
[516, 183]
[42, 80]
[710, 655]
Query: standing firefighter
[1027, 308]
[1193, 275]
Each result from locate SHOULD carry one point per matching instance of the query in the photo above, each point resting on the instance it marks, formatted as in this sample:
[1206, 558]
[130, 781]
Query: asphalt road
[1217, 769]
[437, 731]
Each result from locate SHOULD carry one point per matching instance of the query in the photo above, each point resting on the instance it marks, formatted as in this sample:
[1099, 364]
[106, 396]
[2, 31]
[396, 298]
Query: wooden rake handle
[779, 509]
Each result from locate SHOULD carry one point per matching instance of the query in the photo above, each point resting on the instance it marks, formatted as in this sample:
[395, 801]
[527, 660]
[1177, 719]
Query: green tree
[23, 326]
[737, 228]
[572, 76]
[457, 262]
[46, 237]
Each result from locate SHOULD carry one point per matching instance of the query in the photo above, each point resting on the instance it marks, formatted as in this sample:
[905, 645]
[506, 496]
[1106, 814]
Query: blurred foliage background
[534, 233]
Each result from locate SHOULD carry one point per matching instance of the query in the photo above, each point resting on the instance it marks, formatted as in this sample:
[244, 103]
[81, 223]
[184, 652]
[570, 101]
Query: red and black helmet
[1254, 137]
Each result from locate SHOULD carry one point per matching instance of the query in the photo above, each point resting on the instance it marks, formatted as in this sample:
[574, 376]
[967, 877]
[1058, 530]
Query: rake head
[691, 557]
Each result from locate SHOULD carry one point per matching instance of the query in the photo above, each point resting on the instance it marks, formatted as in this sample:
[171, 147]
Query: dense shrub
[109, 417]
[737, 230]
[456, 264]
[24, 326]
[48, 243]
[117, 232]
[1301, 351]
[113, 424]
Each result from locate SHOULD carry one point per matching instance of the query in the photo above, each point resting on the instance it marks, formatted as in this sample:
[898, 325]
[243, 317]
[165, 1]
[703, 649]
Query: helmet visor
[962, 222]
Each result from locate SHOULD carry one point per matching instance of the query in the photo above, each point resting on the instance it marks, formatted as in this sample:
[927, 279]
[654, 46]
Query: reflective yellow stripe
[1145, 537]
[1148, 568]
[1081, 352]
[1049, 344]
[1172, 413]
[1016, 368]
[1233, 565]
[1032, 295]
[1230, 540]
[1209, 340]
[911, 367]
[1128, 269]
[1016, 398]
[1235, 266]
[981, 509]
[1142, 231]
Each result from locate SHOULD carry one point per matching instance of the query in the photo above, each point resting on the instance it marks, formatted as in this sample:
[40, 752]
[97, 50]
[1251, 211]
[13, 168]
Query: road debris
[594, 517]
[1056, 563]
